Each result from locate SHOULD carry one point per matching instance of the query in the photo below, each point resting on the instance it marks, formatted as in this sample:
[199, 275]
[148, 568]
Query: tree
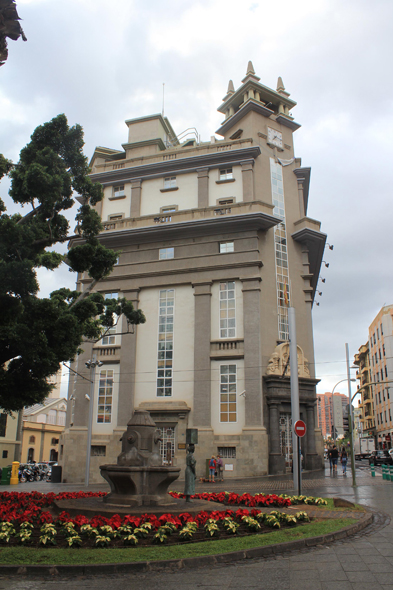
[36, 334]
[9, 27]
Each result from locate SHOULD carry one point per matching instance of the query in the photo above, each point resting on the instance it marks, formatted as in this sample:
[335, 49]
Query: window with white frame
[165, 343]
[228, 409]
[227, 247]
[227, 310]
[110, 336]
[166, 253]
[118, 191]
[105, 395]
[226, 174]
[170, 182]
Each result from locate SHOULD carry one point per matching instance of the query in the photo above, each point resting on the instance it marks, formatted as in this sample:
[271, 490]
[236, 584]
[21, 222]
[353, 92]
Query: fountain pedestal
[139, 478]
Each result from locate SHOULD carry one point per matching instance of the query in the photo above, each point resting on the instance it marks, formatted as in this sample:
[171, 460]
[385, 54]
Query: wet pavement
[365, 561]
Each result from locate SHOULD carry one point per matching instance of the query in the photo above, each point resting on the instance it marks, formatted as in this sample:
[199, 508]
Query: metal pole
[294, 398]
[90, 423]
[350, 418]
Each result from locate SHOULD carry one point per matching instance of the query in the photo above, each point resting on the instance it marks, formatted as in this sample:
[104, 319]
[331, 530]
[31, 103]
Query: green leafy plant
[25, 533]
[74, 540]
[303, 516]
[230, 525]
[211, 528]
[7, 531]
[251, 523]
[102, 540]
[188, 531]
[160, 536]
[130, 539]
[48, 536]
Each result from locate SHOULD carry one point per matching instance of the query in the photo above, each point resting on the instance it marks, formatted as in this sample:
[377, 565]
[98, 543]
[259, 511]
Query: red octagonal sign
[299, 428]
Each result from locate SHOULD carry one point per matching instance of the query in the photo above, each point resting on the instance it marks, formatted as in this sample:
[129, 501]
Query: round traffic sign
[299, 428]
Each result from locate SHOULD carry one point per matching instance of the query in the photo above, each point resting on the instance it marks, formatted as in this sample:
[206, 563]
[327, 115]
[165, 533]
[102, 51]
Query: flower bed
[24, 519]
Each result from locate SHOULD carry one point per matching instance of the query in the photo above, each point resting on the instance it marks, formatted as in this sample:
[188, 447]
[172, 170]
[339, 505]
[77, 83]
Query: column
[202, 333]
[312, 459]
[252, 351]
[300, 189]
[276, 460]
[248, 180]
[125, 406]
[136, 189]
[203, 187]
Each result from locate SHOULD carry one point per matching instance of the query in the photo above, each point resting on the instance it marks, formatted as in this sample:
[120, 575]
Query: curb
[188, 562]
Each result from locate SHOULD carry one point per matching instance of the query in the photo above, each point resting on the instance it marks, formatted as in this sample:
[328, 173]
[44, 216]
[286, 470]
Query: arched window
[53, 455]
[32, 440]
[30, 455]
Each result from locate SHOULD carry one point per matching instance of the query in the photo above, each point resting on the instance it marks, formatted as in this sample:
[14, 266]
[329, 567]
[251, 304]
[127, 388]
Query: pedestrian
[344, 459]
[329, 456]
[212, 468]
[334, 458]
[220, 468]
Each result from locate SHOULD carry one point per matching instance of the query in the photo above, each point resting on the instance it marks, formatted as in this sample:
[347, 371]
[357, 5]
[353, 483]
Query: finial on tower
[250, 74]
[231, 88]
[281, 87]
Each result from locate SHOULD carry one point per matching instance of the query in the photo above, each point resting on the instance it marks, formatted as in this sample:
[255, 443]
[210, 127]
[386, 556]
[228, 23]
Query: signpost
[299, 428]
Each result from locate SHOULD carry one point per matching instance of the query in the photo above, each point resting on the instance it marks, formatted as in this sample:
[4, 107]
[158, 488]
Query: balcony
[109, 353]
[227, 349]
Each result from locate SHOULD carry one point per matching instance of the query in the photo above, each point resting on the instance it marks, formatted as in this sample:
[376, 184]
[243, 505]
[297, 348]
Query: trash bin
[56, 474]
[5, 476]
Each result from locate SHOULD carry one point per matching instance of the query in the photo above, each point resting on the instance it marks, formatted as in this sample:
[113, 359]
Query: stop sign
[299, 428]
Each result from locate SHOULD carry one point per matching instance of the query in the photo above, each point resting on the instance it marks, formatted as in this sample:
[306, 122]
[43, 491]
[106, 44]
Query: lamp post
[90, 364]
[334, 426]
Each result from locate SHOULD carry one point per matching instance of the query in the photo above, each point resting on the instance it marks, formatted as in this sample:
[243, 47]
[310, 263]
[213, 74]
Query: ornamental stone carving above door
[279, 362]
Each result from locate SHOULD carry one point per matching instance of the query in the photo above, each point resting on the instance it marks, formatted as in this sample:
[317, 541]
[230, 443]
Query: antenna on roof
[163, 97]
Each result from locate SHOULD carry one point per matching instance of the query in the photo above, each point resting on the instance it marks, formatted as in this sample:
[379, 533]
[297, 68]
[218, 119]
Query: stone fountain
[139, 478]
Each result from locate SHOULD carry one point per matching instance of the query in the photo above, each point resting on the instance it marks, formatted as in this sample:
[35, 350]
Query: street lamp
[333, 424]
[90, 364]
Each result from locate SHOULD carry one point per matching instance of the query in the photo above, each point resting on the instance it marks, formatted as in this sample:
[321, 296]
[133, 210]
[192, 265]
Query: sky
[103, 62]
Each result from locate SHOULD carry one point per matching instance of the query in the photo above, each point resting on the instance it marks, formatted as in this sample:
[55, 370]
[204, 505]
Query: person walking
[329, 456]
[334, 458]
[220, 468]
[212, 468]
[344, 459]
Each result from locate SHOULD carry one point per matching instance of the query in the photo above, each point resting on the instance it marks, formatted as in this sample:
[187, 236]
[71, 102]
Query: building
[42, 427]
[9, 444]
[330, 411]
[380, 334]
[366, 405]
[215, 244]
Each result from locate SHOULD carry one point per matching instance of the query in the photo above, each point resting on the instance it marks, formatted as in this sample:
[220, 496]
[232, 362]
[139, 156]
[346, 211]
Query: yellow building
[42, 427]
[8, 436]
[363, 374]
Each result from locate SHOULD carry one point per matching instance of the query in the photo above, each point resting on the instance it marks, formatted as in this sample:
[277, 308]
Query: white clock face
[275, 137]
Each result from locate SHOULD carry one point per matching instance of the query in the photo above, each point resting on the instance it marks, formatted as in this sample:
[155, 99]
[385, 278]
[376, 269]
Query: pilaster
[248, 180]
[202, 370]
[127, 365]
[252, 351]
[203, 187]
[136, 190]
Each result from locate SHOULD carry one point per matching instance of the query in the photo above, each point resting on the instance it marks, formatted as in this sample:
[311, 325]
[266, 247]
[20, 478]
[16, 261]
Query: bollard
[387, 473]
[14, 473]
[372, 469]
[391, 472]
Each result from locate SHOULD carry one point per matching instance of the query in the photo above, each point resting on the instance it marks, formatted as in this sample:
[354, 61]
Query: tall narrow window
[110, 337]
[281, 250]
[105, 393]
[228, 410]
[165, 343]
[227, 310]
[227, 247]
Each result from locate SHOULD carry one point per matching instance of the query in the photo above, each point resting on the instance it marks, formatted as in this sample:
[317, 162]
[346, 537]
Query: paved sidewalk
[363, 562]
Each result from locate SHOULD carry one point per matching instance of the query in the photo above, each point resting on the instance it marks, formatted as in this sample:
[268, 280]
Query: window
[169, 209]
[227, 452]
[381, 330]
[383, 350]
[110, 337]
[105, 392]
[32, 440]
[167, 444]
[227, 247]
[98, 450]
[228, 201]
[5, 454]
[3, 424]
[54, 441]
[378, 333]
[30, 455]
[52, 415]
[226, 174]
[118, 191]
[386, 372]
[115, 217]
[170, 182]
[61, 418]
[165, 343]
[227, 310]
[380, 356]
[228, 412]
[166, 253]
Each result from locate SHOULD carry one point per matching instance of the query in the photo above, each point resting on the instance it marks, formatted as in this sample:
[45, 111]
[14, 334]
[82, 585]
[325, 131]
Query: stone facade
[215, 244]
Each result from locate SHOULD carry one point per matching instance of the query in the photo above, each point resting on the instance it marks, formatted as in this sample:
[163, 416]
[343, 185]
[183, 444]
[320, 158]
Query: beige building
[42, 427]
[215, 244]
[366, 405]
[380, 335]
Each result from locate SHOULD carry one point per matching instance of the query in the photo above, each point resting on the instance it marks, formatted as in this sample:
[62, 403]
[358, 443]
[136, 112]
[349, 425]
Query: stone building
[215, 245]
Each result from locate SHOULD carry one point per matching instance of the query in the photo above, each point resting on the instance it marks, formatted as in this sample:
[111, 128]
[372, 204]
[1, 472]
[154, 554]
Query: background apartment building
[330, 413]
[215, 244]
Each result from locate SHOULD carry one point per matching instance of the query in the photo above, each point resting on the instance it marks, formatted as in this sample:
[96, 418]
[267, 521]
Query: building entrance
[167, 445]
[286, 439]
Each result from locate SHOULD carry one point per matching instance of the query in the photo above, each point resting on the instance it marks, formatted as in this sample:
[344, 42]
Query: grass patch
[56, 556]
[330, 506]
